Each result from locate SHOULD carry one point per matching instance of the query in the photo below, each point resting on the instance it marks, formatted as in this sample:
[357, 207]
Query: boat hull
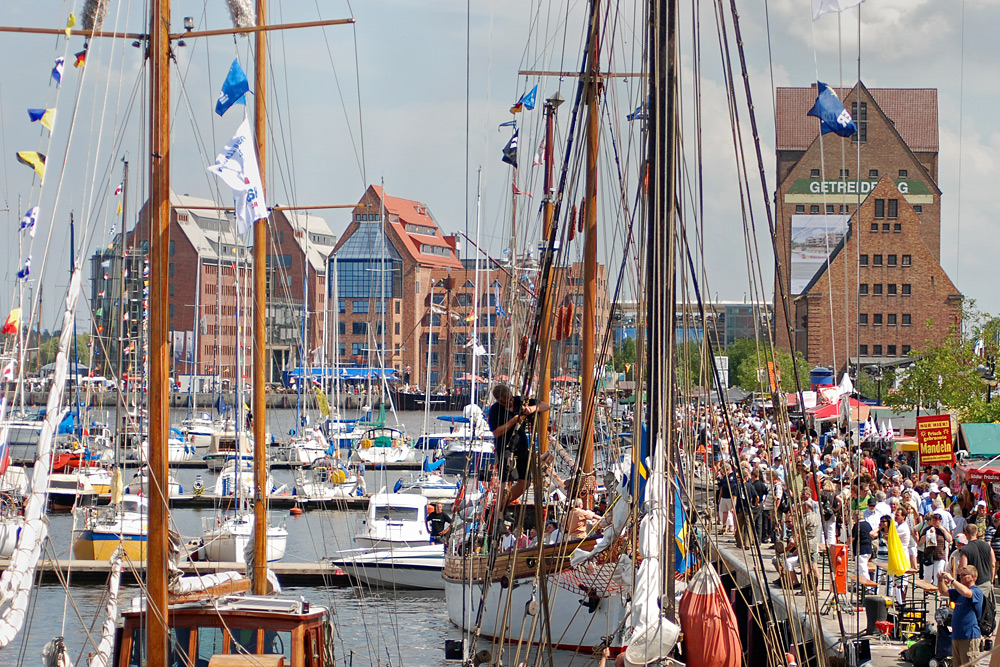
[98, 545]
[9, 529]
[413, 567]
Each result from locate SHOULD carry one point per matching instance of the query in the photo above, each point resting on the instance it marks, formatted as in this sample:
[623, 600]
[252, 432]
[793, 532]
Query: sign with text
[935, 441]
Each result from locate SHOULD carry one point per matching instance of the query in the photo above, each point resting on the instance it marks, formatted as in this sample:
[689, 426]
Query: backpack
[988, 616]
[827, 504]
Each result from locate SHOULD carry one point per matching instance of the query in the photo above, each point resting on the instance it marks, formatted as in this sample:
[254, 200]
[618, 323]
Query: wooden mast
[587, 356]
[545, 330]
[159, 236]
[260, 304]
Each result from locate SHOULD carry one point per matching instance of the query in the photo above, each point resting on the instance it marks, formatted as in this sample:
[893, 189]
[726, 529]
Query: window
[863, 319]
[874, 227]
[360, 306]
[845, 209]
[397, 306]
[171, 289]
[918, 208]
[863, 260]
[890, 319]
[891, 260]
[439, 298]
[907, 260]
[434, 358]
[357, 349]
[873, 173]
[397, 328]
[814, 173]
[863, 350]
[877, 289]
[464, 300]
[897, 228]
[879, 208]
[877, 319]
[359, 328]
[171, 269]
[800, 208]
[891, 289]
[906, 289]
[814, 208]
[860, 115]
[436, 320]
[893, 208]
[341, 306]
[885, 227]
[845, 173]
[342, 326]
[830, 209]
[863, 289]
[907, 319]
[171, 248]
[877, 350]
[906, 349]
[903, 173]
[876, 260]
[171, 310]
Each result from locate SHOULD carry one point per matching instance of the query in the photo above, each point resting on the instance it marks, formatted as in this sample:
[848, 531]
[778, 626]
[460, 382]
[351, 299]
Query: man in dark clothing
[757, 504]
[979, 554]
[438, 524]
[904, 467]
[745, 498]
[506, 419]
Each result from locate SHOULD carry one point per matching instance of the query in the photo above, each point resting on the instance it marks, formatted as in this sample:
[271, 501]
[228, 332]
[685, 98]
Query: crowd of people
[854, 494]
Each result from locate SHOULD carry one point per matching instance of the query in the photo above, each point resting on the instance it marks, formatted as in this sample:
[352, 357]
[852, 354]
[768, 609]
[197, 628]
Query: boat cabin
[395, 519]
[236, 625]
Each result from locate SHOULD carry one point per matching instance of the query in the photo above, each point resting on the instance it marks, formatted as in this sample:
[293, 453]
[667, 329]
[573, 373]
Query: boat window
[243, 640]
[390, 513]
[278, 642]
[210, 642]
[180, 642]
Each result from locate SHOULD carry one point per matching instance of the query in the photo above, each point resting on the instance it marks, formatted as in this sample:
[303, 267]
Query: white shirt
[903, 530]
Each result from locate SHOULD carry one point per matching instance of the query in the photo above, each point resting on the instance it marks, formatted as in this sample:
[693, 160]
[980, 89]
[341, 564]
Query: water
[372, 627]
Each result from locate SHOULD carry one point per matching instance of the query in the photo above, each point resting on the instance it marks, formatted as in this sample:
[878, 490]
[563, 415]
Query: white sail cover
[16, 581]
[105, 648]
[653, 635]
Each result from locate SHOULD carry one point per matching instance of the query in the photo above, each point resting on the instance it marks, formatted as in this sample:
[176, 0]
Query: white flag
[237, 166]
[821, 7]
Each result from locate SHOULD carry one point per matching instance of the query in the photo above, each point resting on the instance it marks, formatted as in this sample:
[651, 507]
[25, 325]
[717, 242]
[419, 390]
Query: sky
[413, 95]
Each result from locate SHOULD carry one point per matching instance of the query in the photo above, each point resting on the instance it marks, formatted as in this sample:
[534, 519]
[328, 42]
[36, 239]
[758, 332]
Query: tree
[50, 346]
[748, 366]
[624, 354]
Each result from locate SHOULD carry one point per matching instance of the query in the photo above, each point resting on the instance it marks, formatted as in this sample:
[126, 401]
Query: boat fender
[790, 659]
[505, 581]
[366, 444]
[483, 657]
[531, 608]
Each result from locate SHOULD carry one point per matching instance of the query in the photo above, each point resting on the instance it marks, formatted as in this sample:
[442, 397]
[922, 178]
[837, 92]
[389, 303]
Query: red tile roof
[399, 212]
[913, 110]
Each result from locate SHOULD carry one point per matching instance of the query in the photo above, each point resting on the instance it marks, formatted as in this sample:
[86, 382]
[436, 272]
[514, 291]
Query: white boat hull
[227, 542]
[573, 626]
[406, 567]
[383, 455]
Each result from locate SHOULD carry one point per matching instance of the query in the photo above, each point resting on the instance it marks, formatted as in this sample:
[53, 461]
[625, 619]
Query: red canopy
[832, 410]
[984, 474]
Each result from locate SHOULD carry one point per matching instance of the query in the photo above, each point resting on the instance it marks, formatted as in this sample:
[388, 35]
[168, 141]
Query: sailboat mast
[259, 278]
[587, 391]
[159, 218]
[545, 331]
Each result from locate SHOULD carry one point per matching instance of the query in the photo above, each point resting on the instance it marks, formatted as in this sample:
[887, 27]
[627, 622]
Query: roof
[205, 228]
[400, 212]
[367, 243]
[311, 233]
[982, 440]
[913, 111]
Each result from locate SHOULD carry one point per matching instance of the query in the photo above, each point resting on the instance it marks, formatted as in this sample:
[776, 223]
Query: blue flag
[233, 89]
[510, 151]
[833, 117]
[684, 558]
[57, 70]
[528, 99]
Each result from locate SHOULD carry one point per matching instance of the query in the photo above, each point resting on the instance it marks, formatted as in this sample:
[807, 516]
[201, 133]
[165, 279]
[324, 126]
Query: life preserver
[366, 443]
[398, 442]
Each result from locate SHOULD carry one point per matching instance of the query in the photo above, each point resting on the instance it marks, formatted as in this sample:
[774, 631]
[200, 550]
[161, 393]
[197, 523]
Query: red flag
[80, 58]
[518, 192]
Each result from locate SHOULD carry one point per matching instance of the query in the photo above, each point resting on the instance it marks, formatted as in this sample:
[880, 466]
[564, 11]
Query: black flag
[510, 151]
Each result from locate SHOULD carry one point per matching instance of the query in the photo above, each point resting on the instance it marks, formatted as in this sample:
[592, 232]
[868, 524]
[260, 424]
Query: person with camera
[508, 419]
[966, 638]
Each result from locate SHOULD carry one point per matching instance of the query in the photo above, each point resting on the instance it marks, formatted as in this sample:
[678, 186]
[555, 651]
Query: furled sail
[17, 579]
[105, 648]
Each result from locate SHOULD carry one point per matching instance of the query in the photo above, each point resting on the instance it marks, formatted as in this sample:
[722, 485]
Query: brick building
[209, 273]
[870, 203]
[394, 252]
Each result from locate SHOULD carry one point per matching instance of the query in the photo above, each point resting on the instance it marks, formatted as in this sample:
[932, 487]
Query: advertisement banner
[934, 440]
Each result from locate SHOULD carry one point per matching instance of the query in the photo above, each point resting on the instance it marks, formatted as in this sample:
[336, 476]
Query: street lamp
[987, 371]
[877, 374]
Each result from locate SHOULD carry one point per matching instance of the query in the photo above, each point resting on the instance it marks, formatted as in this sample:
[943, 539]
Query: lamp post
[877, 374]
[987, 371]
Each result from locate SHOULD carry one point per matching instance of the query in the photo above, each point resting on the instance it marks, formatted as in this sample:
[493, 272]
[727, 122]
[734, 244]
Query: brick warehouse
[883, 291]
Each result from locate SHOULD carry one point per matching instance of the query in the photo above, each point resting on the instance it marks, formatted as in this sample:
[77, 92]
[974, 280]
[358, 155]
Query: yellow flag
[324, 406]
[899, 563]
[70, 22]
[119, 209]
[33, 159]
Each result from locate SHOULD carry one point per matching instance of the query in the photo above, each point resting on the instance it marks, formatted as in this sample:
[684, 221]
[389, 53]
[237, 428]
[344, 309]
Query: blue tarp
[341, 373]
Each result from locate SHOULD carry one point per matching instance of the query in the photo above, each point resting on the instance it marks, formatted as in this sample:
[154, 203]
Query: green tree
[750, 370]
[47, 350]
[624, 354]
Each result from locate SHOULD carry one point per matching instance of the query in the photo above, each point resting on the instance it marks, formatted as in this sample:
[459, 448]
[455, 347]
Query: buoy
[295, 511]
[790, 659]
[366, 444]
